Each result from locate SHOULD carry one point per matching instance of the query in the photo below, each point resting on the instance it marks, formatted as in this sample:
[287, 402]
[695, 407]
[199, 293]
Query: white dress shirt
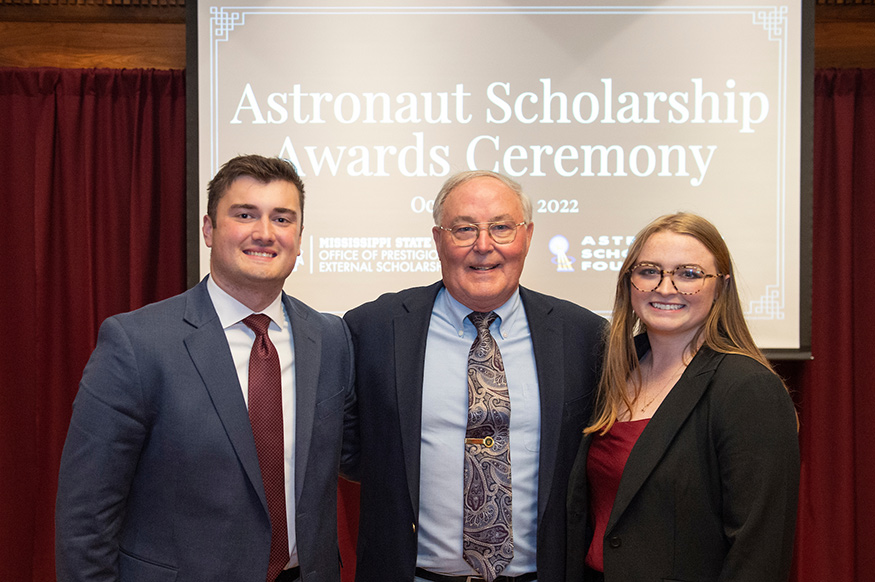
[240, 339]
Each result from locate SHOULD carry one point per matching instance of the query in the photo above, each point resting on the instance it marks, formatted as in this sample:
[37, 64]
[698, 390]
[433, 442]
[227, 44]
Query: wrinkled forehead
[482, 199]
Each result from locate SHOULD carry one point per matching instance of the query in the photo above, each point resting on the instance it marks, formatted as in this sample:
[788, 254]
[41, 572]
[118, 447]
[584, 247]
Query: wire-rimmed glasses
[465, 235]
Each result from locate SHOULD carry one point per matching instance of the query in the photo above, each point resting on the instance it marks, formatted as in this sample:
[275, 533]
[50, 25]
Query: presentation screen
[608, 114]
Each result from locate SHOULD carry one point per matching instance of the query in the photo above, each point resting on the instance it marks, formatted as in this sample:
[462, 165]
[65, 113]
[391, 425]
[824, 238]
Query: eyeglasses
[465, 235]
[686, 279]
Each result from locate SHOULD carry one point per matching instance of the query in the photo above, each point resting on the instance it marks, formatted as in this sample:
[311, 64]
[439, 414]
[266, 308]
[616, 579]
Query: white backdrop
[609, 116]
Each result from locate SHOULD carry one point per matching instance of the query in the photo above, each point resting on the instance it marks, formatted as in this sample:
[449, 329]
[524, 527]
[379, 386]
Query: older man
[473, 393]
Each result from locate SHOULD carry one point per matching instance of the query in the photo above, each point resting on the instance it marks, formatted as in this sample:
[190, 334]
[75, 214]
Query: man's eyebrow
[278, 210]
[470, 219]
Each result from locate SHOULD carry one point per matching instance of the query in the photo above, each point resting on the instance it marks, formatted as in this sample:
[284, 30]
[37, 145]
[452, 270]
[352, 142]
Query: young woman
[690, 469]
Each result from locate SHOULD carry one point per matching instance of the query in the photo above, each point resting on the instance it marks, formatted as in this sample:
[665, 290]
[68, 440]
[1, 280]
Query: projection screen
[608, 114]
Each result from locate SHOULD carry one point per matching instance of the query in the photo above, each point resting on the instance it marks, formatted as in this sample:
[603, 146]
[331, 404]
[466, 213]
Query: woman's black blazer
[710, 488]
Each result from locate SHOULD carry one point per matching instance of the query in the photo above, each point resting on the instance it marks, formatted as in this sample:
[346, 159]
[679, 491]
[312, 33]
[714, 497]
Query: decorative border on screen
[772, 19]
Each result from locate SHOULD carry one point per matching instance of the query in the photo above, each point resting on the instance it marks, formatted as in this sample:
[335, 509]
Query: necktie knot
[482, 320]
[258, 322]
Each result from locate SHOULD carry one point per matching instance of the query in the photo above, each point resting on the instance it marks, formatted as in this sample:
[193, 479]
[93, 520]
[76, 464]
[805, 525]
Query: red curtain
[836, 531]
[94, 193]
[93, 169]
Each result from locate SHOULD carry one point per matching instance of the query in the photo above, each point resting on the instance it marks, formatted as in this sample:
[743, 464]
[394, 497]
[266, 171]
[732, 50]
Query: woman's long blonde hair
[723, 331]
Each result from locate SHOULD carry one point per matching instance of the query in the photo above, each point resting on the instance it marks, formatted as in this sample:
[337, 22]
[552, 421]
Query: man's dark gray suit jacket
[159, 477]
[389, 336]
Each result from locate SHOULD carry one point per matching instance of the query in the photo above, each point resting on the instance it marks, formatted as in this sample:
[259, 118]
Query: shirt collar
[231, 311]
[508, 314]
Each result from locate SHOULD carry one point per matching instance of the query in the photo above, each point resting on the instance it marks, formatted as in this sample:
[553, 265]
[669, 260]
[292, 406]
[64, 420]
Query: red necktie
[266, 416]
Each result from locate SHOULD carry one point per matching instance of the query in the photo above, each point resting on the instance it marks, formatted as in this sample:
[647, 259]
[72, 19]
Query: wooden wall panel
[127, 37]
[92, 44]
[844, 45]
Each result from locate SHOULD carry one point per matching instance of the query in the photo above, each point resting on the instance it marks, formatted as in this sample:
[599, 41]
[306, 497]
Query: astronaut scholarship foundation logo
[559, 246]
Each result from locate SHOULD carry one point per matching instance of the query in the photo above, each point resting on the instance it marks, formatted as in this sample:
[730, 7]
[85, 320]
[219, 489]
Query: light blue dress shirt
[444, 421]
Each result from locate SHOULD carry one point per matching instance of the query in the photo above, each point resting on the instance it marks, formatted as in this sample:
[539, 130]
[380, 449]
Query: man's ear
[207, 229]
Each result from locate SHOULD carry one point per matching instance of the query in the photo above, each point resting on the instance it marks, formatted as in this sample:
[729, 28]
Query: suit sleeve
[349, 463]
[758, 454]
[106, 434]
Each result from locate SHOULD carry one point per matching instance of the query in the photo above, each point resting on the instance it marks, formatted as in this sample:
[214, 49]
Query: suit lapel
[578, 488]
[662, 428]
[211, 355]
[546, 332]
[307, 339]
[410, 330]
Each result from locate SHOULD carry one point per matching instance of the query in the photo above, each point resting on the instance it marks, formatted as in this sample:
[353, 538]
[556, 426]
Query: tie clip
[486, 442]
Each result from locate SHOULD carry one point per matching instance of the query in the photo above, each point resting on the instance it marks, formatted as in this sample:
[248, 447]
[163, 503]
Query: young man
[203, 449]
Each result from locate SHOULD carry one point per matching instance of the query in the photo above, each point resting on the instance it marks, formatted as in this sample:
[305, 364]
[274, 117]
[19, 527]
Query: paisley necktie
[487, 539]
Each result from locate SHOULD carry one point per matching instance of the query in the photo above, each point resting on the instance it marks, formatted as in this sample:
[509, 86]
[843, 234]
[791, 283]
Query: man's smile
[265, 254]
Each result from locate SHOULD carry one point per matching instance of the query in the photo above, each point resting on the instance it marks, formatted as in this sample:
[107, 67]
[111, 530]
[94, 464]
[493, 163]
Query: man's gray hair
[462, 177]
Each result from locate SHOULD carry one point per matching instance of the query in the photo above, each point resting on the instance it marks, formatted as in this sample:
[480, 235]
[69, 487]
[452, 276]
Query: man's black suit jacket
[389, 337]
